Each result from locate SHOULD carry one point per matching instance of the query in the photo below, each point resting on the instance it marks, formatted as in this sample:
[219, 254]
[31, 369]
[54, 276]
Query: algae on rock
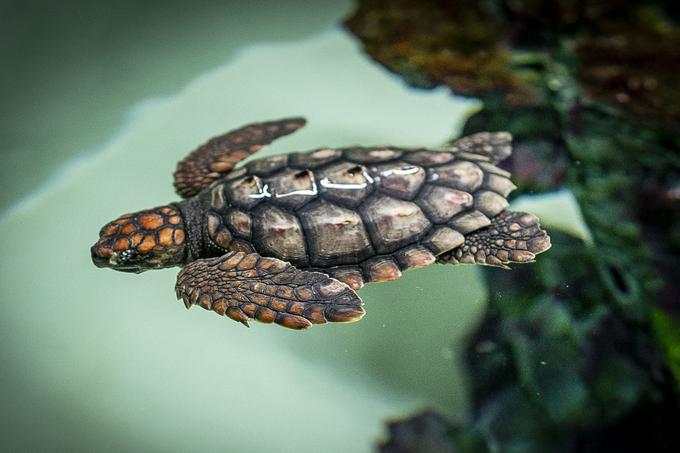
[583, 344]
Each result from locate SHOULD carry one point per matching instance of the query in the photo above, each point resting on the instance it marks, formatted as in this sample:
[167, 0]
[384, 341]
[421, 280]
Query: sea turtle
[289, 238]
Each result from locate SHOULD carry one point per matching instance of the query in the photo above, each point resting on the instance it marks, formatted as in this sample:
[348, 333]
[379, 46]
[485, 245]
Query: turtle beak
[97, 259]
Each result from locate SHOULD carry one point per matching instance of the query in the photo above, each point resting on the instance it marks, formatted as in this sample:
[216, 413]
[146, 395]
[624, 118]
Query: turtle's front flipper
[512, 237]
[219, 155]
[248, 286]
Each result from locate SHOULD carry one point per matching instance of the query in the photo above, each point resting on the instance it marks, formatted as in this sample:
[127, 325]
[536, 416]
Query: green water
[71, 71]
[98, 360]
[94, 357]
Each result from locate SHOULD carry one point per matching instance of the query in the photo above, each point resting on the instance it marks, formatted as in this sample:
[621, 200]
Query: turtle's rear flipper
[219, 155]
[248, 286]
[512, 237]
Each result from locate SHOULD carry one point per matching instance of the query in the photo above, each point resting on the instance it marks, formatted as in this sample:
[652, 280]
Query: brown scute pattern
[219, 155]
[268, 165]
[349, 275]
[234, 174]
[219, 234]
[277, 232]
[512, 237]
[336, 235]
[334, 209]
[469, 222]
[473, 157]
[399, 179]
[442, 203]
[393, 223]
[313, 159]
[492, 169]
[293, 188]
[218, 199]
[239, 245]
[490, 203]
[460, 174]
[499, 184]
[414, 256]
[497, 146]
[346, 183]
[428, 158]
[381, 269]
[248, 286]
[246, 192]
[372, 155]
[443, 239]
[239, 222]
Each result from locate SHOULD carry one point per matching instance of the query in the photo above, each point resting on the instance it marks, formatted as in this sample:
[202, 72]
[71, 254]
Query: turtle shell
[359, 214]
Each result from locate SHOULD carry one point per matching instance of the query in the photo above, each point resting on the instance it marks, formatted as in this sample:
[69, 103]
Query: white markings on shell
[293, 188]
[325, 182]
[400, 179]
[346, 182]
[247, 192]
[263, 193]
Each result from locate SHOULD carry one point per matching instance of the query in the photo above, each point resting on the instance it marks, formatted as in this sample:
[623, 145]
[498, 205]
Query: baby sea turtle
[288, 239]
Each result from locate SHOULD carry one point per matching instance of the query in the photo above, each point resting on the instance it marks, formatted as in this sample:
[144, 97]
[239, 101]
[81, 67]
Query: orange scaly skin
[149, 239]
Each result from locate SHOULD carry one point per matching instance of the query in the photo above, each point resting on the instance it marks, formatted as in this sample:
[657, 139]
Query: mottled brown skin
[288, 239]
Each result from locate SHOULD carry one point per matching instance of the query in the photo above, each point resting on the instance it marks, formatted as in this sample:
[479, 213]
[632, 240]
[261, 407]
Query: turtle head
[149, 239]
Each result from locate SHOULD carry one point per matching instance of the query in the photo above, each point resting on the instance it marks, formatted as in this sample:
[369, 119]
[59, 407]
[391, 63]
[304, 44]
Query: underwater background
[101, 99]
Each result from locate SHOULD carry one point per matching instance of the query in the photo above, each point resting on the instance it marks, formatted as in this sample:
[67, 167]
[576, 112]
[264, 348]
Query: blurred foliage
[668, 330]
[428, 432]
[557, 352]
[624, 54]
[556, 366]
[578, 352]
